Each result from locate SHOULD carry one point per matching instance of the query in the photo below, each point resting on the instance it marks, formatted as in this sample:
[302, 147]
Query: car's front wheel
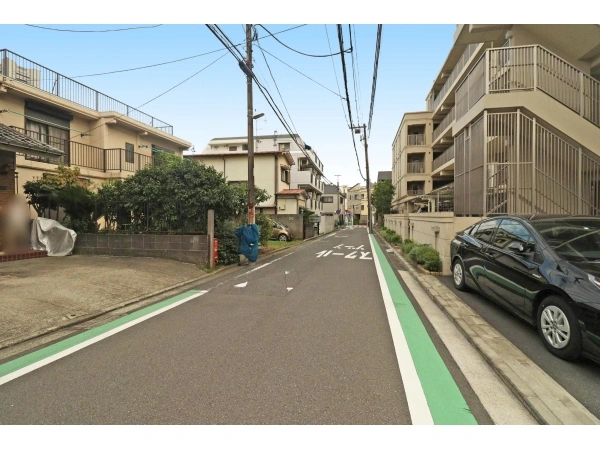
[559, 328]
[283, 237]
[458, 275]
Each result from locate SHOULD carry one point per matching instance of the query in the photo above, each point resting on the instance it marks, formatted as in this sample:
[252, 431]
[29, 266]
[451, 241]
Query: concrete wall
[327, 224]
[185, 248]
[292, 221]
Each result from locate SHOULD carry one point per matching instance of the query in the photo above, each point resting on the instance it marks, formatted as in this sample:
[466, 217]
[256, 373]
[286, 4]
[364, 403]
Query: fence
[138, 217]
[443, 158]
[28, 72]
[415, 139]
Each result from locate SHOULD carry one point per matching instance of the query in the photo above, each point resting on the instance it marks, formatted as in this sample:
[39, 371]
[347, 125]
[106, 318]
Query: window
[233, 148]
[284, 147]
[245, 147]
[129, 153]
[362, 207]
[485, 230]
[285, 175]
[362, 195]
[511, 231]
[327, 199]
[54, 136]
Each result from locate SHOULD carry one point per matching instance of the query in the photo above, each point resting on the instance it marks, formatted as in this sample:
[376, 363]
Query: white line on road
[360, 246]
[242, 285]
[75, 348]
[337, 254]
[417, 403]
[364, 255]
[351, 255]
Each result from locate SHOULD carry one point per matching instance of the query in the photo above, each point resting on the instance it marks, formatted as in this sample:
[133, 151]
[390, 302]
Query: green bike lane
[430, 389]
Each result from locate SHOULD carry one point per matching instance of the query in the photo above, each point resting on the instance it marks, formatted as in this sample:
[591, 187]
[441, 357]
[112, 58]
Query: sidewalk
[41, 295]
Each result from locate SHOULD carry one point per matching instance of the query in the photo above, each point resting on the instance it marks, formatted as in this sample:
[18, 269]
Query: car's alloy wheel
[555, 327]
[283, 237]
[559, 328]
[458, 275]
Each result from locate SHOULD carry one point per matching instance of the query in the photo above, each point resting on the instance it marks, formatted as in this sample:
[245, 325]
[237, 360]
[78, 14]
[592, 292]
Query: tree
[383, 194]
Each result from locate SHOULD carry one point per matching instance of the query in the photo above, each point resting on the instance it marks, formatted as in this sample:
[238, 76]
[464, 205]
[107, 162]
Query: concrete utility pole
[250, 126]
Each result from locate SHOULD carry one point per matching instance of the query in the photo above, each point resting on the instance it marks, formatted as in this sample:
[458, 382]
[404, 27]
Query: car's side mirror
[517, 247]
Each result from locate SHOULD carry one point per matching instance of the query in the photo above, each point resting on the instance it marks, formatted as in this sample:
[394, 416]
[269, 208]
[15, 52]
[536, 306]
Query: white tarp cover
[49, 235]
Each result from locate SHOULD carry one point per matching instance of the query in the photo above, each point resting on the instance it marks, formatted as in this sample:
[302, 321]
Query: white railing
[530, 68]
[460, 65]
[415, 139]
[443, 158]
[444, 124]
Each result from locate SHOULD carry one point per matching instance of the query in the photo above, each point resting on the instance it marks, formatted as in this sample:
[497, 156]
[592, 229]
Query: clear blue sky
[213, 103]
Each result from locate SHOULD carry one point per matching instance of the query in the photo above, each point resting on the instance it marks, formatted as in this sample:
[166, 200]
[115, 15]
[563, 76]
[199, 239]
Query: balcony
[415, 139]
[415, 167]
[90, 157]
[530, 68]
[307, 181]
[28, 72]
[438, 162]
[444, 125]
[454, 75]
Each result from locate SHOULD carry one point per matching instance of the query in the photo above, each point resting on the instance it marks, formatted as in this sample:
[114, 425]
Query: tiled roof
[8, 136]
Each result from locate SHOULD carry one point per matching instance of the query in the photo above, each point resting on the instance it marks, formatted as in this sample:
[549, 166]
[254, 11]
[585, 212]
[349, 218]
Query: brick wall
[185, 248]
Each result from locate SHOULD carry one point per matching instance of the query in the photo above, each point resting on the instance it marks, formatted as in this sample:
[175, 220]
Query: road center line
[32, 361]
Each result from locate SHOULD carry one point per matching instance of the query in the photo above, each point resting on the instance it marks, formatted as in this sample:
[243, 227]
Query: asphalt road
[302, 340]
[581, 378]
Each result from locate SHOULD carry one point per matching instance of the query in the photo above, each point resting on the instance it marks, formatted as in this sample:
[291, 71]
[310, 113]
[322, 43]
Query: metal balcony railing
[415, 167]
[443, 158]
[530, 68]
[28, 72]
[460, 65]
[415, 139]
[90, 157]
[444, 124]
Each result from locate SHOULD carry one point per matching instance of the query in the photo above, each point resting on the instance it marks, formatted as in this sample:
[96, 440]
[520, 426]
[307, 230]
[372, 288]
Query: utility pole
[369, 220]
[250, 126]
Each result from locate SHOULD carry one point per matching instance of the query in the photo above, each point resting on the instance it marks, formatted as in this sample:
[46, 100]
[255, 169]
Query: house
[512, 126]
[72, 124]
[334, 201]
[272, 166]
[358, 204]
[307, 174]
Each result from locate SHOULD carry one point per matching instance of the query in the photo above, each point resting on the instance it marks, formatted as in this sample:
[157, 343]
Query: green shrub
[427, 257]
[395, 239]
[265, 228]
[228, 245]
[407, 246]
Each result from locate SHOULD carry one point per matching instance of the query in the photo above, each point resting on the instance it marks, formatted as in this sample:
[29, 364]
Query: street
[305, 337]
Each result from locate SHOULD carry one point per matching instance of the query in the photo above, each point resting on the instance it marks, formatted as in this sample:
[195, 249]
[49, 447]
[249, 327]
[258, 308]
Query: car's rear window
[576, 240]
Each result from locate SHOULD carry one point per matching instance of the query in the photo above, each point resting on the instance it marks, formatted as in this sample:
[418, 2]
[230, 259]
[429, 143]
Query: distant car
[544, 269]
[281, 232]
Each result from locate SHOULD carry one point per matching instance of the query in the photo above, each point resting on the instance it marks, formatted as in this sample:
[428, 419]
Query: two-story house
[307, 174]
[358, 204]
[334, 201]
[272, 166]
[75, 125]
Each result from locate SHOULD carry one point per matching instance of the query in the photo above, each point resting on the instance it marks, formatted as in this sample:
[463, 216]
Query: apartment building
[358, 204]
[514, 127]
[307, 174]
[334, 201]
[75, 125]
[273, 164]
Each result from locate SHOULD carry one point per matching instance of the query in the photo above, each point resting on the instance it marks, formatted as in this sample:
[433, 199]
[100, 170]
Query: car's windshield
[576, 240]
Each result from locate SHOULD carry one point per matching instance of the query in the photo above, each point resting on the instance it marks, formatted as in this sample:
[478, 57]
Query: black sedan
[544, 269]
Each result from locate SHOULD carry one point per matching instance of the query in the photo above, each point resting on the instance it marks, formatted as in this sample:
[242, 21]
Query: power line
[175, 60]
[305, 54]
[358, 115]
[360, 103]
[336, 78]
[92, 31]
[304, 75]
[158, 96]
[219, 34]
[376, 66]
[341, 42]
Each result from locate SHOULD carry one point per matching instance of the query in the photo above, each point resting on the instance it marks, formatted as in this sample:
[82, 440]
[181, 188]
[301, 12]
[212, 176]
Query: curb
[545, 399]
[85, 318]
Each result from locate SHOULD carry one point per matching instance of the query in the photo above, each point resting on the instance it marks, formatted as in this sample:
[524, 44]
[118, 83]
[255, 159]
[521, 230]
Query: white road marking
[389, 250]
[417, 403]
[338, 246]
[75, 348]
[363, 255]
[337, 254]
[286, 272]
[349, 246]
[289, 289]
[351, 255]
[321, 253]
[360, 246]
[242, 285]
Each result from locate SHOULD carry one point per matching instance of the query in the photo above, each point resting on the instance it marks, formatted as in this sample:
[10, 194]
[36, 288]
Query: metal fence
[28, 72]
[444, 124]
[448, 155]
